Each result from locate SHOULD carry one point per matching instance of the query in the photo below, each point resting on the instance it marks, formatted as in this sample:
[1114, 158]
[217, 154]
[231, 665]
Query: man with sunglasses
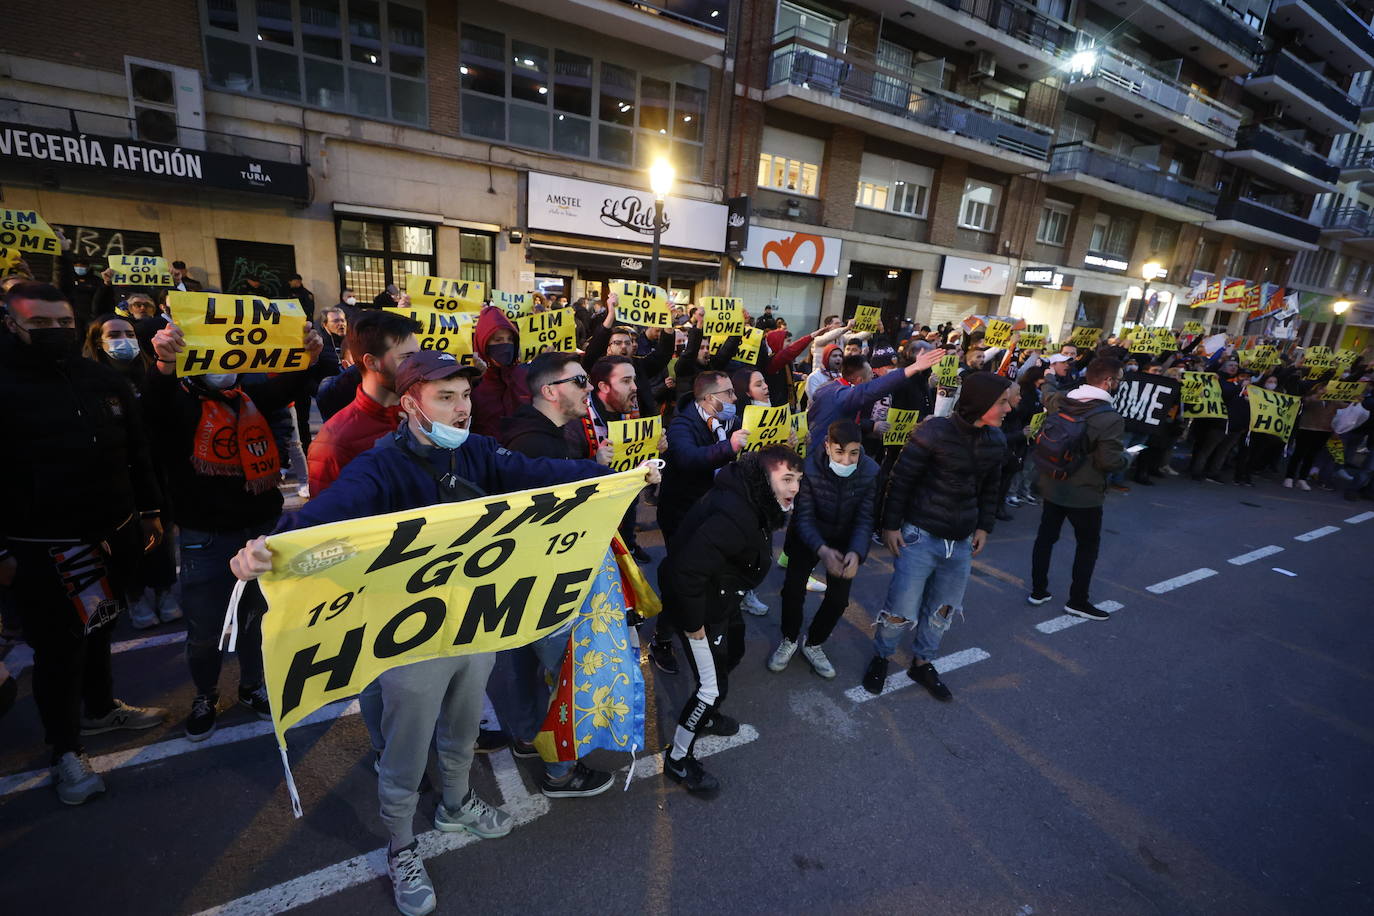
[551, 425]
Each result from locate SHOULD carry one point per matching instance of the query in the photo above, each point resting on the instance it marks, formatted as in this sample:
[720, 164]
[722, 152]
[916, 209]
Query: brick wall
[92, 33]
[946, 198]
[441, 65]
[840, 177]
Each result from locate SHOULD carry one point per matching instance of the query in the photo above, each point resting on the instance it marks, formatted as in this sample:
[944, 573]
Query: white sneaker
[1168, 471]
[782, 655]
[165, 603]
[303, 491]
[142, 613]
[816, 656]
[814, 585]
[751, 603]
[1288, 482]
[1302, 485]
[411, 886]
[476, 817]
[1014, 502]
[74, 779]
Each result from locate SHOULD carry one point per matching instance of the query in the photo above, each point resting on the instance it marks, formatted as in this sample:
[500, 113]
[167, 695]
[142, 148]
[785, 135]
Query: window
[808, 24]
[477, 256]
[978, 210]
[1075, 128]
[790, 162]
[363, 57]
[1112, 234]
[894, 185]
[1164, 238]
[533, 95]
[374, 253]
[1054, 224]
[1241, 263]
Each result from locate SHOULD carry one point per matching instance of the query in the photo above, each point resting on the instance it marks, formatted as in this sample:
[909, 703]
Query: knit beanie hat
[979, 391]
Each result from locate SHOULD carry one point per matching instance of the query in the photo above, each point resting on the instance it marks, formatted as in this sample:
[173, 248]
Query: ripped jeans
[927, 588]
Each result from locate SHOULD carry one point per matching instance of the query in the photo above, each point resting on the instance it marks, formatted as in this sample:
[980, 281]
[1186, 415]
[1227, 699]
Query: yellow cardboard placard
[1202, 396]
[140, 270]
[722, 318]
[1273, 413]
[447, 332]
[1336, 449]
[25, 230]
[1345, 359]
[868, 318]
[238, 333]
[997, 334]
[1193, 327]
[946, 371]
[513, 304]
[766, 426]
[750, 345]
[552, 330]
[1032, 340]
[800, 430]
[633, 441]
[1348, 392]
[1085, 338]
[1164, 341]
[446, 295]
[641, 304]
[900, 424]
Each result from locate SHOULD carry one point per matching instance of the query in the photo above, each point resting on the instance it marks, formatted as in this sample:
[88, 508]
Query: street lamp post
[1151, 271]
[661, 182]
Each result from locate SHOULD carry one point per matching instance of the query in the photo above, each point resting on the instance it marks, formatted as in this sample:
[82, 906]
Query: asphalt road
[1206, 750]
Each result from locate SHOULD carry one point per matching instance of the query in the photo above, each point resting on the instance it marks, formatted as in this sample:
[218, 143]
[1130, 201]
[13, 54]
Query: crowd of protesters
[179, 513]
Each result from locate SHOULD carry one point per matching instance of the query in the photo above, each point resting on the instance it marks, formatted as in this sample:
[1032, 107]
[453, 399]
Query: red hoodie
[502, 389]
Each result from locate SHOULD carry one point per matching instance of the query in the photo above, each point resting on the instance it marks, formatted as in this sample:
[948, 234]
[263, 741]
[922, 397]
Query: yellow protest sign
[1258, 359]
[997, 334]
[1085, 338]
[750, 345]
[766, 426]
[446, 295]
[1344, 391]
[868, 318]
[641, 304]
[1272, 413]
[1345, 359]
[1032, 340]
[1202, 396]
[800, 431]
[238, 333]
[447, 332]
[25, 230]
[351, 599]
[513, 304]
[633, 441]
[554, 330]
[1336, 449]
[1193, 327]
[900, 423]
[723, 305]
[1164, 340]
[10, 257]
[946, 371]
[1316, 360]
[1037, 422]
[722, 318]
[140, 270]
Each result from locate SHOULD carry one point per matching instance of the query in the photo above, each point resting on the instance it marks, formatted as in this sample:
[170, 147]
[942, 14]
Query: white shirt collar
[1089, 393]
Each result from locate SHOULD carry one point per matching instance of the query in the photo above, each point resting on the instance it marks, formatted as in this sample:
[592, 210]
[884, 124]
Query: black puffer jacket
[723, 548]
[835, 511]
[947, 479]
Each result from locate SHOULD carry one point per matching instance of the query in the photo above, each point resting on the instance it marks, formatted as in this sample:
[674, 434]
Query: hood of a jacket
[776, 340]
[1059, 401]
[825, 356]
[489, 322]
[748, 479]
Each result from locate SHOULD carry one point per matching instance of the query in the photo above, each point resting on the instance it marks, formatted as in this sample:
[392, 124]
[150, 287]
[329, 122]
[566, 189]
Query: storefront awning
[628, 261]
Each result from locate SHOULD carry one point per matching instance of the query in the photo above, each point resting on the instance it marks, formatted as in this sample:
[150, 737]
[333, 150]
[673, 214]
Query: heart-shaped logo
[786, 249]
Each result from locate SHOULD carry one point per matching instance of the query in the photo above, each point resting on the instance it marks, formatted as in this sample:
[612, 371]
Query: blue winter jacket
[840, 401]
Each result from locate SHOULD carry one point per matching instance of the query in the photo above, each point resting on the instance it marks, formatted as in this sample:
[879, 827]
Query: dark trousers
[1223, 451]
[800, 562]
[206, 583]
[711, 666]
[1307, 443]
[1087, 533]
[1209, 433]
[303, 421]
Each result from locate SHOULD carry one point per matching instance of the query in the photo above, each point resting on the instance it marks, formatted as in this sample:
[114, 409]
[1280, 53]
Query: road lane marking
[1254, 555]
[164, 750]
[1168, 585]
[944, 665]
[1317, 533]
[1362, 517]
[371, 866]
[21, 656]
[1064, 621]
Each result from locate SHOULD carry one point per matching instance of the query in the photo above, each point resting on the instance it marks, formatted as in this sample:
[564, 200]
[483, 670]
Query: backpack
[1062, 446]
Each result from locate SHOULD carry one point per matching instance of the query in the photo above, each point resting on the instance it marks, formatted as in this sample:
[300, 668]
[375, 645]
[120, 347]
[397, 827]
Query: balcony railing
[1351, 219]
[1345, 22]
[1220, 23]
[1266, 216]
[1291, 70]
[1359, 157]
[34, 114]
[1098, 163]
[1139, 79]
[704, 14]
[1263, 140]
[887, 91]
[1019, 20]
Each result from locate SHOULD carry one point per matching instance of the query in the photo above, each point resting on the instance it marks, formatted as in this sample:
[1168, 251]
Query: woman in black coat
[722, 549]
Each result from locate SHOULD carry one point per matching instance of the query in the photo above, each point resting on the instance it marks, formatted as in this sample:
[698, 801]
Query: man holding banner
[432, 458]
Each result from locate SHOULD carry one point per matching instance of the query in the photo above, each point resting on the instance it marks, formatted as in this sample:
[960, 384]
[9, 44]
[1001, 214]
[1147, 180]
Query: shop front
[874, 284]
[968, 286]
[1042, 296]
[787, 270]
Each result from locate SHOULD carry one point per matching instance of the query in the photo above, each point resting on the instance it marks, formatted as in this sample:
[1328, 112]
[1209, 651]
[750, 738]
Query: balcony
[1353, 227]
[1365, 99]
[1272, 155]
[1264, 223]
[1089, 169]
[1201, 29]
[1304, 94]
[1358, 164]
[687, 29]
[1136, 91]
[1020, 37]
[1330, 29]
[844, 88]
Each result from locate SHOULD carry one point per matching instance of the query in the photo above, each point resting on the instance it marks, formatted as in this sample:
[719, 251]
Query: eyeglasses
[581, 381]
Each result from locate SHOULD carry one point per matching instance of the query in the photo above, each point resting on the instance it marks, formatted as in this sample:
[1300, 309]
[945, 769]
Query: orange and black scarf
[233, 442]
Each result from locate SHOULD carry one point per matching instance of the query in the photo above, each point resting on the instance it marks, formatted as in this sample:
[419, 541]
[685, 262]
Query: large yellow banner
[239, 333]
[1273, 413]
[349, 600]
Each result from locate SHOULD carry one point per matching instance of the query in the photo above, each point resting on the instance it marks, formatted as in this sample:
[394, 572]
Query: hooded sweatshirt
[502, 389]
[820, 374]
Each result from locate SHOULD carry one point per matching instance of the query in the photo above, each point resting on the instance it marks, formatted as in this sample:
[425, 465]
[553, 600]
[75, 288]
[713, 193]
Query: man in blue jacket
[853, 394]
[431, 459]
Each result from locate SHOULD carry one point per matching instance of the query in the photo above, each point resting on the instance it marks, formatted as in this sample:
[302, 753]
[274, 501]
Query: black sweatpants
[711, 660]
[1087, 533]
[1307, 444]
[800, 561]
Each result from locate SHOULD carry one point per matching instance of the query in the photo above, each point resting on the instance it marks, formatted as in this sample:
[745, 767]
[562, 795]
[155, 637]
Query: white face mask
[351, 300]
[221, 380]
[1271, 384]
[122, 348]
[843, 470]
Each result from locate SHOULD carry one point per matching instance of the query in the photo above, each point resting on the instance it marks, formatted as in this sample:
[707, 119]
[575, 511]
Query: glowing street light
[661, 176]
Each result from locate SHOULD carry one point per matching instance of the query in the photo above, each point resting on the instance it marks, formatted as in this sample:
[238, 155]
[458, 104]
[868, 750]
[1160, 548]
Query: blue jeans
[927, 588]
[206, 583]
[520, 695]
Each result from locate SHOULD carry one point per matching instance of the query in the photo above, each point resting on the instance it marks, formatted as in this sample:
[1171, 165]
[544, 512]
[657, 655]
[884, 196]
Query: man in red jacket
[380, 341]
[503, 388]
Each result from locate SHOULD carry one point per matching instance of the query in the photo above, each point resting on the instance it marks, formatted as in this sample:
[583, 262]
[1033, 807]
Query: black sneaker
[690, 773]
[581, 782]
[1004, 514]
[523, 750]
[720, 724]
[200, 724]
[662, 654]
[926, 675]
[255, 698]
[1086, 610]
[490, 741]
[876, 675]
[1038, 598]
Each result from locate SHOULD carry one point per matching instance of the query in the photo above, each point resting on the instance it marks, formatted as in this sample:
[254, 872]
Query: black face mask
[502, 354]
[53, 343]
